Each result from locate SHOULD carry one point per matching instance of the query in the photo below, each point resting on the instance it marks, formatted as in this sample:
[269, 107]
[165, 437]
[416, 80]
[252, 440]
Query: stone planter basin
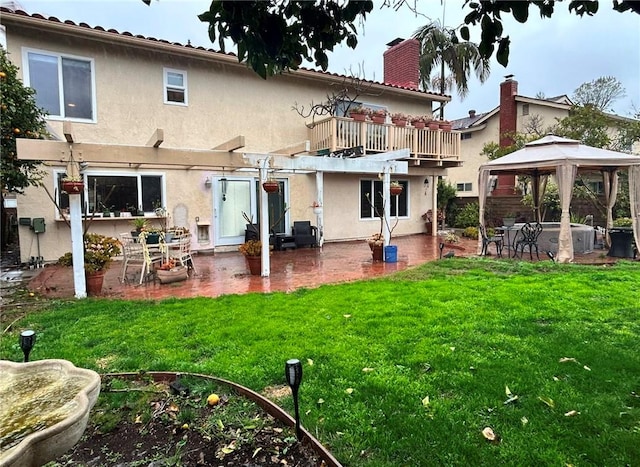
[44, 411]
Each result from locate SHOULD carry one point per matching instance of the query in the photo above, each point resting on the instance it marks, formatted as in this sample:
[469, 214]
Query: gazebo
[565, 158]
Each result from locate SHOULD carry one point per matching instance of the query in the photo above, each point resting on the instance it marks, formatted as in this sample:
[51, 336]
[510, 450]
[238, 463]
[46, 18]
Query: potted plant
[433, 124]
[99, 251]
[317, 208]
[379, 115]
[271, 185]
[73, 185]
[359, 113]
[376, 243]
[171, 271]
[399, 119]
[419, 121]
[395, 188]
[139, 224]
[509, 219]
[252, 251]
[445, 125]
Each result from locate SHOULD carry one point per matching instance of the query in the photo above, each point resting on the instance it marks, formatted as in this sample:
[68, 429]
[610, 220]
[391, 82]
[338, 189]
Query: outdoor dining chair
[152, 253]
[132, 253]
[182, 251]
[488, 240]
[527, 237]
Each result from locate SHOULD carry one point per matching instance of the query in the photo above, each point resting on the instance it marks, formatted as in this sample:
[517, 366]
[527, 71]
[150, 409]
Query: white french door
[232, 197]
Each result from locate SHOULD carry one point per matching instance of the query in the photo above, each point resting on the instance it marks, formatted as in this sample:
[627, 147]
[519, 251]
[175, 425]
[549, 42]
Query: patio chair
[182, 252]
[527, 237]
[304, 234]
[131, 253]
[486, 241]
[152, 253]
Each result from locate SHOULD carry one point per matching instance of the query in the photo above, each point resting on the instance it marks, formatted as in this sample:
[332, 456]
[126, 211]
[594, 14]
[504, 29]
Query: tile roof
[53, 19]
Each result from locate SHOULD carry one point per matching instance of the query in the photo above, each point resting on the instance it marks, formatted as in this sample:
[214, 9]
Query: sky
[548, 56]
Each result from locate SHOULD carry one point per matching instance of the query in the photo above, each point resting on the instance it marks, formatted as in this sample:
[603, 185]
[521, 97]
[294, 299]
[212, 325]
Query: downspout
[320, 212]
[386, 203]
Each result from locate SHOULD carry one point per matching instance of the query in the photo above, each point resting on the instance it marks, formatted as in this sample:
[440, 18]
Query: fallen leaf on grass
[349, 390]
[309, 362]
[321, 401]
[426, 401]
[511, 397]
[489, 435]
[572, 413]
[524, 420]
[347, 316]
[586, 368]
[568, 359]
[548, 401]
[367, 370]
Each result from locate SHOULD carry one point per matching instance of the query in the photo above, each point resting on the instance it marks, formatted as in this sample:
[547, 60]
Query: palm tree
[440, 49]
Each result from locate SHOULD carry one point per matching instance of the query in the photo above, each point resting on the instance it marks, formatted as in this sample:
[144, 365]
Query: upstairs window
[175, 87]
[467, 186]
[370, 187]
[64, 84]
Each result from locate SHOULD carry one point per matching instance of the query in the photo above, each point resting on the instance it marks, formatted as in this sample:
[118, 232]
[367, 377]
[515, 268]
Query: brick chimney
[508, 109]
[508, 116]
[401, 63]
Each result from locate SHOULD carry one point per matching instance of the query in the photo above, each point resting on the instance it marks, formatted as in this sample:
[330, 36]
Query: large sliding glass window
[115, 192]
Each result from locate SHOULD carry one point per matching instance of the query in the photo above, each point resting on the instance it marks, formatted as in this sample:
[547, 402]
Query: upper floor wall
[118, 89]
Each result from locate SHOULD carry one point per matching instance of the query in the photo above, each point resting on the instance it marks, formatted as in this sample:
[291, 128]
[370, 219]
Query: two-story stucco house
[159, 124]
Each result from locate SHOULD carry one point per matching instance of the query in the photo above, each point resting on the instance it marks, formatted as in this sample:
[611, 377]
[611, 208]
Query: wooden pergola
[220, 157]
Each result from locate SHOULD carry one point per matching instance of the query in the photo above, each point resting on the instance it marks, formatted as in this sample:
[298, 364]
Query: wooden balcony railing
[335, 133]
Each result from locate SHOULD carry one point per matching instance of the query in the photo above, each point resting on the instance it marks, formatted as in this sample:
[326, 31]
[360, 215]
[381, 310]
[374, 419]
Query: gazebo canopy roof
[545, 154]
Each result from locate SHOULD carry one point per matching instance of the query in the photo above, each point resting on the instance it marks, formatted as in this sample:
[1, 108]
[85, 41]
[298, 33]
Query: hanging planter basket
[73, 188]
[395, 190]
[271, 186]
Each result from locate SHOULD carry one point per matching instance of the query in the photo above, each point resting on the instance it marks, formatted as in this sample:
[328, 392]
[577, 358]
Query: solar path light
[27, 340]
[293, 373]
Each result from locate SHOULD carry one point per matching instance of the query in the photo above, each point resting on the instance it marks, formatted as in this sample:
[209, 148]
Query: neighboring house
[515, 113]
[159, 124]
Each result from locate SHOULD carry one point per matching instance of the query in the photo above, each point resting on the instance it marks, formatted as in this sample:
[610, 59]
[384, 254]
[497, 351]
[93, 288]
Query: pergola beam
[156, 139]
[293, 149]
[127, 156]
[67, 130]
[231, 145]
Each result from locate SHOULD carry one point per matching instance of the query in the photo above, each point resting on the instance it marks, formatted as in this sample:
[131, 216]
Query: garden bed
[158, 418]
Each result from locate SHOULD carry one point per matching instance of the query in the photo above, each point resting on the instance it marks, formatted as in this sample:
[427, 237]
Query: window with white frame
[64, 84]
[371, 199]
[175, 87]
[117, 192]
[467, 186]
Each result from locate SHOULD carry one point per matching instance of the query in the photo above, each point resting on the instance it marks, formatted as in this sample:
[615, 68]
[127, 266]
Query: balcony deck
[427, 148]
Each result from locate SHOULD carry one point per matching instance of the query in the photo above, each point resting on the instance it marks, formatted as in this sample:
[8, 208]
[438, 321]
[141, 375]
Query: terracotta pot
[395, 190]
[418, 125]
[378, 119]
[271, 186]
[377, 252]
[358, 117]
[445, 126]
[433, 125]
[73, 188]
[255, 265]
[400, 122]
[94, 282]
[176, 274]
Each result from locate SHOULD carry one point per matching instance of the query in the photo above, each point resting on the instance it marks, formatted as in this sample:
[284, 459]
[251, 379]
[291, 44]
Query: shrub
[468, 216]
[470, 232]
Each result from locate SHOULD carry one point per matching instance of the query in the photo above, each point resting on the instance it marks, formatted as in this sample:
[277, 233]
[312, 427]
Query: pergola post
[386, 202]
[264, 219]
[77, 245]
[320, 200]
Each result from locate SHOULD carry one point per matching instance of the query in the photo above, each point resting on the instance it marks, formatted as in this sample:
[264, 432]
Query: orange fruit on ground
[213, 399]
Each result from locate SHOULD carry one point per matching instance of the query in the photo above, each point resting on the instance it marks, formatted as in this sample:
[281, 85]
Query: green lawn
[408, 369]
